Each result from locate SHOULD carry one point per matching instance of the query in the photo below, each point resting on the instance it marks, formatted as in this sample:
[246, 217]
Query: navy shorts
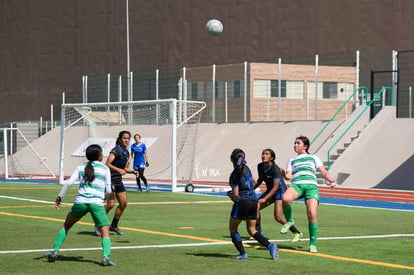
[117, 185]
[244, 210]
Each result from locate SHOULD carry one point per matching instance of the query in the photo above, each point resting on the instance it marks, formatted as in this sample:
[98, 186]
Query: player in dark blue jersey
[139, 153]
[269, 172]
[118, 162]
[245, 206]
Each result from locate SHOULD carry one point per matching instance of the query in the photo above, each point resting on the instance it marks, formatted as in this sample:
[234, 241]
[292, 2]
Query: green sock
[60, 238]
[287, 211]
[106, 246]
[313, 232]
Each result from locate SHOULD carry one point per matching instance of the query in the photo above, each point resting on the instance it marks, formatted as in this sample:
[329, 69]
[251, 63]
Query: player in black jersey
[245, 206]
[269, 172]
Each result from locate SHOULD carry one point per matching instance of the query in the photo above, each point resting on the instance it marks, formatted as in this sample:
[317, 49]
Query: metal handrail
[353, 122]
[339, 110]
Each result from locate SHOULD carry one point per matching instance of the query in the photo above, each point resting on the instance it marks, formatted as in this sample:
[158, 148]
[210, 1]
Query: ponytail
[93, 152]
[237, 157]
[89, 173]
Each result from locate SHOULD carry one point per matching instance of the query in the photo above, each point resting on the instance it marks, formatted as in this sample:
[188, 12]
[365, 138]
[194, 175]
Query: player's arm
[127, 169]
[146, 159]
[234, 193]
[327, 176]
[287, 173]
[108, 187]
[109, 161]
[66, 184]
[258, 182]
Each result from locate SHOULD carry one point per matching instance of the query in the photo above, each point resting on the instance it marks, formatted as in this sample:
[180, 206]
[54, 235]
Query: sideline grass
[159, 219]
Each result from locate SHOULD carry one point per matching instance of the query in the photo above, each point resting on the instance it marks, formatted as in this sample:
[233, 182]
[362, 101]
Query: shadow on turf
[62, 258]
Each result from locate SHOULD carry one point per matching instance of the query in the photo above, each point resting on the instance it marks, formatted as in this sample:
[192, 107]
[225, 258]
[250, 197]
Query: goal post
[168, 127]
[20, 158]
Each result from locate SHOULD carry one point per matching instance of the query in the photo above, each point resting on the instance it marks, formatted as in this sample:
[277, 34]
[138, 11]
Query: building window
[274, 88]
[236, 89]
[194, 91]
[330, 90]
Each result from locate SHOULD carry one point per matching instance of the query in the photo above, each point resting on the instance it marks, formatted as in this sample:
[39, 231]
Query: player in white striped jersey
[94, 185]
[302, 170]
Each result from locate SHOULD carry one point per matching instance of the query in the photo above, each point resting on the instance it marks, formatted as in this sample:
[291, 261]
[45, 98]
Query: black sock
[114, 223]
[235, 238]
[293, 229]
[258, 227]
[261, 238]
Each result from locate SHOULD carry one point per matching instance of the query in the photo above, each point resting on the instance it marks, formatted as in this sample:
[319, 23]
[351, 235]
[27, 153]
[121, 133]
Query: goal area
[168, 127]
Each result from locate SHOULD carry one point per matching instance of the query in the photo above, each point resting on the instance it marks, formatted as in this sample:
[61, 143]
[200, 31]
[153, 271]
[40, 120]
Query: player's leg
[141, 175]
[63, 231]
[312, 209]
[291, 194]
[122, 204]
[138, 180]
[236, 239]
[102, 223]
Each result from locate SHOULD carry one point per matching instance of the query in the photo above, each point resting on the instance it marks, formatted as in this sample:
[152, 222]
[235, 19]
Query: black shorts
[244, 210]
[117, 185]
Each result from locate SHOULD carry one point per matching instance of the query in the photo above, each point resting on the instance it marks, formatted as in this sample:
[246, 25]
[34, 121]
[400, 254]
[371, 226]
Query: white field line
[31, 200]
[201, 244]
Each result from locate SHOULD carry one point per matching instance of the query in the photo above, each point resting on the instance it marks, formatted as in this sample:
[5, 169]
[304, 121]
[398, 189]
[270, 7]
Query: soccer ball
[214, 27]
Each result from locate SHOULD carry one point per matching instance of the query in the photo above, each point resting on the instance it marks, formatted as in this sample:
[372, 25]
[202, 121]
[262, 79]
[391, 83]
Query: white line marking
[22, 199]
[201, 244]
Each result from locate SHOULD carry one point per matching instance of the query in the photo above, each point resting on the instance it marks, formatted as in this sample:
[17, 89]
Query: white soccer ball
[214, 27]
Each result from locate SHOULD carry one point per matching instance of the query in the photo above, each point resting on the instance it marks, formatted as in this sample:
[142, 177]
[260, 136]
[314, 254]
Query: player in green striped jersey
[302, 171]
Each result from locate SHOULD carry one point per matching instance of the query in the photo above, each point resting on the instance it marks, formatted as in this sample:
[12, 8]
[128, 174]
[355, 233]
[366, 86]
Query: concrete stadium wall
[381, 157]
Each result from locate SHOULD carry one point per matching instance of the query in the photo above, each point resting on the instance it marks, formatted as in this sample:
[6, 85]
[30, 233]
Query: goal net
[168, 127]
[21, 158]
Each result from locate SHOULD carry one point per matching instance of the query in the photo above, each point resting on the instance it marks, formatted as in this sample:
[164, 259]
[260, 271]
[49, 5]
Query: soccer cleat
[147, 188]
[285, 227]
[51, 256]
[116, 230]
[313, 249]
[296, 237]
[139, 189]
[242, 257]
[107, 262]
[97, 232]
[274, 253]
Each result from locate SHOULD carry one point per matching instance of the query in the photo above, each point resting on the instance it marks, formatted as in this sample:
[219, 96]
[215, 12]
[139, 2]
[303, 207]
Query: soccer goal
[21, 159]
[168, 127]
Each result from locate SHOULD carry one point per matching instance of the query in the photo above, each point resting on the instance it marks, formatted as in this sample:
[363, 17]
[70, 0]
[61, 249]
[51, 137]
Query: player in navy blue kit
[118, 162]
[269, 172]
[139, 153]
[245, 206]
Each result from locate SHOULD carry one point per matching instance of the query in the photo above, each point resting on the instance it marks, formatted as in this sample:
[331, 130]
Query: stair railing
[376, 96]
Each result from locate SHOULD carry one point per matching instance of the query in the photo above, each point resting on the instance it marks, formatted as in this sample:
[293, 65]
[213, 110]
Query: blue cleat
[107, 262]
[242, 257]
[274, 253]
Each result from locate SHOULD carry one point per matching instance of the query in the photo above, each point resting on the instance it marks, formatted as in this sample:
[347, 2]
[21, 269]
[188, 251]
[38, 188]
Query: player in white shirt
[302, 171]
[94, 186]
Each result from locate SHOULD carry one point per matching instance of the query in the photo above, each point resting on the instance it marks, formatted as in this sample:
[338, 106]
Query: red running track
[352, 193]
[367, 194]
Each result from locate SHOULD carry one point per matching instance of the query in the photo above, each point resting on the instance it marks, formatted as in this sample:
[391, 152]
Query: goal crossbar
[181, 117]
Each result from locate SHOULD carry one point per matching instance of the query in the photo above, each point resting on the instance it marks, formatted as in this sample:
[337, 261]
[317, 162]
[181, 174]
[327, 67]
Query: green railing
[339, 110]
[376, 96]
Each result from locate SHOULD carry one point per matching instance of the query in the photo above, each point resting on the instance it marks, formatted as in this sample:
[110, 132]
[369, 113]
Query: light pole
[129, 80]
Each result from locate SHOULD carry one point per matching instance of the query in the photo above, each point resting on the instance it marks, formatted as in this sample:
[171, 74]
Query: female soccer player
[139, 153]
[95, 184]
[245, 206]
[118, 162]
[302, 170]
[269, 172]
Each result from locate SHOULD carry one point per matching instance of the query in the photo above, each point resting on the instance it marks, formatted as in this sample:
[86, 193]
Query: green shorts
[98, 212]
[306, 191]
